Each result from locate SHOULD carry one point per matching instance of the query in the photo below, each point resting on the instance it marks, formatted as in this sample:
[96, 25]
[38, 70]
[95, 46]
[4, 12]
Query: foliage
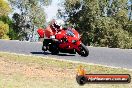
[4, 29]
[8, 21]
[31, 15]
[101, 22]
[4, 8]
[19, 28]
[32, 9]
[108, 33]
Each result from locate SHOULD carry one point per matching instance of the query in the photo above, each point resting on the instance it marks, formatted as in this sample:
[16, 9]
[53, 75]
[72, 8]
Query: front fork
[76, 46]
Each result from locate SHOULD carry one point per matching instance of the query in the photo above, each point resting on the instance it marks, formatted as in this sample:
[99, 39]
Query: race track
[104, 56]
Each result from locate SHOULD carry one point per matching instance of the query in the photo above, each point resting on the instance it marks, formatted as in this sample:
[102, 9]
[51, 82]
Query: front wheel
[83, 50]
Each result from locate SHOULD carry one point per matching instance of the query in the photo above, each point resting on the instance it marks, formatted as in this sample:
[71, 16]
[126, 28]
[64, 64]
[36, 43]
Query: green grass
[17, 79]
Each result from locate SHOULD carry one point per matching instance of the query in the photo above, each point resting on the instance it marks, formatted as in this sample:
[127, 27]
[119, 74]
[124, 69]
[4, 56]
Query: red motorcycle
[66, 41]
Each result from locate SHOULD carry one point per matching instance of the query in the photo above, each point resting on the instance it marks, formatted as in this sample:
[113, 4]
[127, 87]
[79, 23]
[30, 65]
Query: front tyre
[83, 50]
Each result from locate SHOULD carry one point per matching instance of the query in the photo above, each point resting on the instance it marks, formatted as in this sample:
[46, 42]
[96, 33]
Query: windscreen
[70, 33]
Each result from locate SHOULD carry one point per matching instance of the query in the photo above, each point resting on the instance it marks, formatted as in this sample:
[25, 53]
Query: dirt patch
[34, 70]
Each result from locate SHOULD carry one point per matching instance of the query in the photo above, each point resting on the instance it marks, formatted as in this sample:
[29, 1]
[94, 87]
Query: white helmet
[58, 24]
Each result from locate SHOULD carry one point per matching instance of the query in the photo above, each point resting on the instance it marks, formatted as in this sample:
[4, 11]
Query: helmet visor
[56, 26]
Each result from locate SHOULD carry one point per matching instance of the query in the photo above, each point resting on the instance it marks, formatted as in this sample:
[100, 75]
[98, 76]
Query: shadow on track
[48, 53]
[44, 53]
[65, 54]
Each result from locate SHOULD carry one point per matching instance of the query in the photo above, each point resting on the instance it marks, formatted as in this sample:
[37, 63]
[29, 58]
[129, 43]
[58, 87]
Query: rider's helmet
[57, 24]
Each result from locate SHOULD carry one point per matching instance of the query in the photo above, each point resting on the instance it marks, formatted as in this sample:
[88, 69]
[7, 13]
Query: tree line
[101, 22]
[26, 16]
[104, 23]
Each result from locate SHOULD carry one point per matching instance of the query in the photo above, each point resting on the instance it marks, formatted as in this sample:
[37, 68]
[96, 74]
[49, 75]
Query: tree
[4, 11]
[19, 26]
[4, 8]
[32, 9]
[7, 20]
[101, 22]
[31, 15]
[4, 29]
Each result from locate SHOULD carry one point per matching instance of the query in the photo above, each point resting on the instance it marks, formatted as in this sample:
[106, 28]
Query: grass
[23, 71]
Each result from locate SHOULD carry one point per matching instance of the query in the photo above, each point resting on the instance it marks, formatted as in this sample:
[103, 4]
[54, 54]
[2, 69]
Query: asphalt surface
[98, 55]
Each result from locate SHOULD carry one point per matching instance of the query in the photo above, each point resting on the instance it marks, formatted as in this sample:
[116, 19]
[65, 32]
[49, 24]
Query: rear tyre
[53, 49]
[83, 50]
[55, 52]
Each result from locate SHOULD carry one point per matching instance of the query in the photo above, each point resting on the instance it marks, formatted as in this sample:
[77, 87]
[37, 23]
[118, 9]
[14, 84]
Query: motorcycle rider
[51, 30]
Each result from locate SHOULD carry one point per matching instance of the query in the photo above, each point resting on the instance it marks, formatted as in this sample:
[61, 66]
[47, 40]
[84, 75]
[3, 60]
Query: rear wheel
[55, 52]
[54, 49]
[83, 50]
